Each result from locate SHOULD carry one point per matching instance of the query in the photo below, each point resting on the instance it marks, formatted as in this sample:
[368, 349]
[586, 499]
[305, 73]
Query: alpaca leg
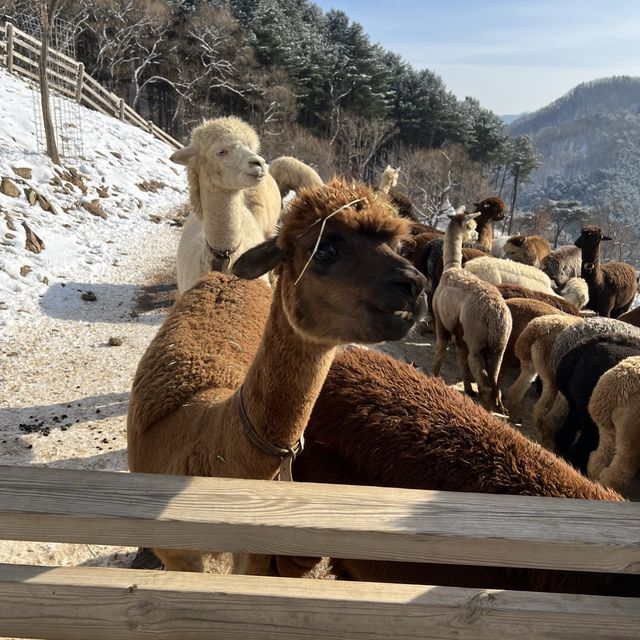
[180, 560]
[442, 341]
[519, 388]
[462, 354]
[626, 460]
[254, 564]
[566, 434]
[494, 360]
[485, 386]
[550, 411]
[603, 455]
[586, 442]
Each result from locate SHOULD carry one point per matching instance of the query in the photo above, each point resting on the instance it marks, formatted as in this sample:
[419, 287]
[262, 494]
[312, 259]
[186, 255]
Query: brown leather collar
[286, 454]
[221, 257]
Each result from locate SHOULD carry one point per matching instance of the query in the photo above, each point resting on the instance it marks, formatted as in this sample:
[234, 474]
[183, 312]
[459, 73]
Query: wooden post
[150, 125]
[121, 109]
[9, 47]
[79, 82]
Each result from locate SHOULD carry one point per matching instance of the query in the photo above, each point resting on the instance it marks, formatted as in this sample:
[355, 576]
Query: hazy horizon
[514, 57]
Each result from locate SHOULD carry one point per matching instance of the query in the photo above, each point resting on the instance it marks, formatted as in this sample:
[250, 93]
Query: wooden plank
[108, 106]
[25, 72]
[21, 35]
[94, 105]
[104, 604]
[59, 505]
[25, 59]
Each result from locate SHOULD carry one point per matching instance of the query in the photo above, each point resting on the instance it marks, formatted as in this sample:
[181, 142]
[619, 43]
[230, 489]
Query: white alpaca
[235, 202]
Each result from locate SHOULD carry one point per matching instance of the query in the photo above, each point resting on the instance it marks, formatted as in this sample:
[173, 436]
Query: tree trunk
[513, 199]
[49, 131]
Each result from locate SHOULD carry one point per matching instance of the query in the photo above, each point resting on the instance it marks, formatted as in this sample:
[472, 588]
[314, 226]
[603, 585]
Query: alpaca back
[621, 278]
[562, 264]
[616, 389]
[631, 317]
[542, 331]
[508, 291]
[498, 271]
[461, 299]
[587, 331]
[576, 292]
[208, 340]
[422, 434]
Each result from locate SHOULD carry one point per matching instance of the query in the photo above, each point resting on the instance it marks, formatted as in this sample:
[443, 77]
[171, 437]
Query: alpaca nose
[410, 281]
[257, 161]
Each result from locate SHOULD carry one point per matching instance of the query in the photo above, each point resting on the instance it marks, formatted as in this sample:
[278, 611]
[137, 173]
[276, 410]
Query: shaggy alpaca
[612, 286]
[292, 174]
[388, 178]
[576, 376]
[474, 314]
[490, 209]
[516, 291]
[585, 332]
[498, 271]
[207, 400]
[533, 349]
[529, 250]
[522, 310]
[614, 407]
[631, 317]
[562, 263]
[576, 292]
[380, 422]
[235, 202]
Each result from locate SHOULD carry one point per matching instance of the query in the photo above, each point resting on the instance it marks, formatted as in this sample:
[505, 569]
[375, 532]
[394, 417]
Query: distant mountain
[589, 140]
[509, 118]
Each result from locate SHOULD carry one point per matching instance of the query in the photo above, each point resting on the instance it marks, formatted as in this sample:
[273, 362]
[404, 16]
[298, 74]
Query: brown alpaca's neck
[222, 217]
[485, 233]
[452, 251]
[285, 379]
[591, 271]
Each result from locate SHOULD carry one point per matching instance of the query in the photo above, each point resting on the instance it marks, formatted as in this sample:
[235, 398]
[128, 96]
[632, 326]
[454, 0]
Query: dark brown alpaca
[516, 291]
[211, 369]
[613, 285]
[492, 208]
[380, 422]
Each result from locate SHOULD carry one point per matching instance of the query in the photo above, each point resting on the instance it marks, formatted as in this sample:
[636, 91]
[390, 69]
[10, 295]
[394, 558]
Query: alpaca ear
[182, 156]
[606, 238]
[258, 260]
[472, 216]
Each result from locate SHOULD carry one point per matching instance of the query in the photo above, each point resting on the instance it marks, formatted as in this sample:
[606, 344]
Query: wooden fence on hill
[19, 53]
[131, 509]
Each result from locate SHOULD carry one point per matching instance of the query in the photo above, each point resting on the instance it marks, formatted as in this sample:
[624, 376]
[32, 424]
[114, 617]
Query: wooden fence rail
[310, 520]
[15, 47]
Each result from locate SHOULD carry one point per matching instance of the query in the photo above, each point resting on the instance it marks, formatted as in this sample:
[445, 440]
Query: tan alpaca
[235, 202]
[614, 406]
[388, 178]
[185, 408]
[472, 312]
[533, 349]
[529, 250]
[292, 174]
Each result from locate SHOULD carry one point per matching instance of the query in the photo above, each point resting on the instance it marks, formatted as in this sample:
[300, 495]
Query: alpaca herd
[242, 368]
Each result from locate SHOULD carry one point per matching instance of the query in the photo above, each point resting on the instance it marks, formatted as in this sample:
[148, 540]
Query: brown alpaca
[522, 311]
[533, 350]
[631, 317]
[491, 209]
[473, 313]
[516, 291]
[613, 285]
[380, 422]
[205, 369]
[614, 407]
[527, 249]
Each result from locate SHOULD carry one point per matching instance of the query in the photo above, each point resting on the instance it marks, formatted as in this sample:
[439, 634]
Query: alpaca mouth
[405, 315]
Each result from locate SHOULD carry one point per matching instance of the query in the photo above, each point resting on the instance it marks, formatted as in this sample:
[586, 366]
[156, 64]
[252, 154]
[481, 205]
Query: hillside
[589, 140]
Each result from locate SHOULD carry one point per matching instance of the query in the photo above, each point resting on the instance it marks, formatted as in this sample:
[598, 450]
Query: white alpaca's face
[231, 165]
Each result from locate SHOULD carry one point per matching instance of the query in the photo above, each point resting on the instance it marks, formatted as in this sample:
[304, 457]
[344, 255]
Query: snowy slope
[121, 160]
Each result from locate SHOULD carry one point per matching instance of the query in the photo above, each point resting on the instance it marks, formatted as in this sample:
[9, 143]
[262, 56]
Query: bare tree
[47, 11]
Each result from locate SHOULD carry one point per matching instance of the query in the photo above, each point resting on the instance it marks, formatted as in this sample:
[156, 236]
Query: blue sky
[513, 56]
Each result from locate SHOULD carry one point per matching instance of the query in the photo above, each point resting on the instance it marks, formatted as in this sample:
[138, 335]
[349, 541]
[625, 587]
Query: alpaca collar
[221, 257]
[286, 454]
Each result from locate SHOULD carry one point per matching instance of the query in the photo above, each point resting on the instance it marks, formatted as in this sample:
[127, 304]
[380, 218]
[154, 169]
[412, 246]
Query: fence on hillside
[19, 52]
[130, 509]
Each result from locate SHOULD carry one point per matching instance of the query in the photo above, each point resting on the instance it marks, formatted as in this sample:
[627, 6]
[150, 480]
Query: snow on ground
[63, 388]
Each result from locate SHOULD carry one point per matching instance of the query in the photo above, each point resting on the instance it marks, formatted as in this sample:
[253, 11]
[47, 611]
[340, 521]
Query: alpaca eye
[221, 153]
[325, 253]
